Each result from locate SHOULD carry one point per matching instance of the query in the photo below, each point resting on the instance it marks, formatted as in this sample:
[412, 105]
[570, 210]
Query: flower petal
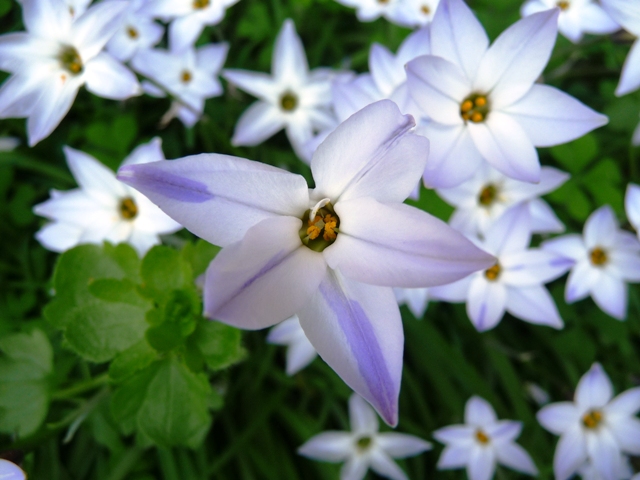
[632, 205]
[382, 65]
[626, 432]
[626, 404]
[362, 417]
[558, 417]
[258, 122]
[482, 463]
[269, 263]
[479, 412]
[456, 435]
[55, 101]
[630, 77]
[95, 27]
[219, 197]
[184, 31]
[454, 456]
[604, 454]
[356, 328]
[571, 453]
[355, 468]
[486, 303]
[611, 295]
[328, 446]
[569, 246]
[371, 154]
[289, 62]
[401, 445]
[108, 78]
[409, 248]
[594, 389]
[534, 305]
[517, 57]
[533, 267]
[258, 84]
[514, 456]
[582, 279]
[511, 233]
[46, 18]
[551, 117]
[382, 464]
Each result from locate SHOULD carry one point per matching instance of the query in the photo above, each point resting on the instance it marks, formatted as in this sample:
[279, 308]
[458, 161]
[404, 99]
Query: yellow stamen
[598, 257]
[289, 101]
[475, 108]
[363, 443]
[592, 419]
[70, 60]
[488, 195]
[477, 117]
[329, 224]
[132, 32]
[481, 102]
[466, 106]
[322, 230]
[425, 9]
[563, 4]
[493, 273]
[128, 209]
[482, 437]
[199, 4]
[186, 76]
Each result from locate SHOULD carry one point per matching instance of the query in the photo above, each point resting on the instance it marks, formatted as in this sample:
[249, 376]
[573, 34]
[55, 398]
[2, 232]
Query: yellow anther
[289, 101]
[363, 443]
[481, 102]
[598, 257]
[128, 209]
[132, 32]
[313, 232]
[425, 9]
[466, 106]
[482, 437]
[322, 230]
[199, 4]
[563, 4]
[488, 195]
[493, 273]
[477, 117]
[70, 60]
[592, 419]
[186, 76]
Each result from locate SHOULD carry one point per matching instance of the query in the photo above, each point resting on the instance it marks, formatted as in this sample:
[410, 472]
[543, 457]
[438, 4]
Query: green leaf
[174, 321]
[24, 384]
[219, 344]
[130, 361]
[164, 270]
[199, 255]
[167, 403]
[576, 155]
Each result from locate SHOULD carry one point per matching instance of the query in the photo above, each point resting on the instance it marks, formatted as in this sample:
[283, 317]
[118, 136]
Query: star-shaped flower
[10, 471]
[103, 208]
[627, 14]
[483, 199]
[483, 102]
[576, 17]
[370, 10]
[292, 98]
[605, 259]
[481, 442]
[364, 446]
[137, 32]
[189, 17]
[594, 427]
[190, 76]
[329, 255]
[56, 56]
[515, 282]
[417, 13]
[300, 352]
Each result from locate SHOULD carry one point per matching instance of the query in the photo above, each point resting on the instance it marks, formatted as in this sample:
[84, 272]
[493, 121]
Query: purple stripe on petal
[562, 262]
[481, 317]
[149, 179]
[365, 348]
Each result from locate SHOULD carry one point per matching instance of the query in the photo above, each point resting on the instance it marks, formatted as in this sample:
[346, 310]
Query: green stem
[27, 163]
[81, 387]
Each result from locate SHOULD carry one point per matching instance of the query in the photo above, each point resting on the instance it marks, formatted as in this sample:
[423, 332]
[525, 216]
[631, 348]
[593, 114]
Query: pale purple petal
[534, 305]
[95, 27]
[543, 218]
[356, 328]
[51, 107]
[289, 62]
[630, 77]
[514, 456]
[108, 78]
[46, 18]
[362, 417]
[600, 228]
[551, 117]
[604, 453]
[97, 180]
[479, 412]
[456, 435]
[486, 303]
[594, 389]
[355, 468]
[511, 233]
[382, 65]
[184, 31]
[259, 122]
[632, 205]
[611, 294]
[558, 417]
[382, 464]
[503, 431]
[569, 246]
[482, 463]
[10, 471]
[401, 445]
[219, 197]
[458, 36]
[454, 292]
[626, 432]
[371, 154]
[517, 57]
[582, 279]
[624, 405]
[455, 456]
[533, 267]
[257, 84]
[571, 453]
[328, 446]
[269, 263]
[410, 249]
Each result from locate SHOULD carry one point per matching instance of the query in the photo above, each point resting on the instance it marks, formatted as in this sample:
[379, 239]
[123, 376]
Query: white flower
[329, 255]
[10, 471]
[588, 471]
[482, 442]
[632, 206]
[515, 283]
[369, 10]
[56, 56]
[292, 97]
[576, 17]
[416, 299]
[483, 102]
[190, 17]
[415, 13]
[189, 76]
[605, 258]
[76, 7]
[137, 32]
[627, 14]
[103, 208]
[483, 199]
[300, 352]
[594, 427]
[364, 447]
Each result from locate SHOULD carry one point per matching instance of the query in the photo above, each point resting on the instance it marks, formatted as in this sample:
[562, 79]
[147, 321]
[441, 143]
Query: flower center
[132, 32]
[128, 209]
[563, 4]
[488, 195]
[592, 419]
[383, 2]
[288, 101]
[598, 257]
[363, 443]
[425, 9]
[493, 273]
[482, 437]
[200, 4]
[319, 226]
[474, 108]
[186, 76]
[70, 60]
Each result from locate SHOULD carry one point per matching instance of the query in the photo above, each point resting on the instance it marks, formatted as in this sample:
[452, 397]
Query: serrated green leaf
[576, 155]
[173, 321]
[199, 255]
[164, 270]
[24, 384]
[219, 343]
[128, 362]
[117, 291]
